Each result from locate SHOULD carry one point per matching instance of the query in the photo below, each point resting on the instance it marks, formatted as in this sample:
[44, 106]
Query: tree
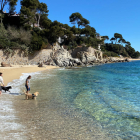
[84, 22]
[45, 22]
[112, 39]
[136, 54]
[77, 18]
[117, 36]
[36, 42]
[28, 11]
[41, 10]
[55, 32]
[130, 50]
[121, 40]
[31, 4]
[128, 43]
[66, 26]
[11, 3]
[93, 42]
[4, 2]
[74, 30]
[56, 23]
[69, 36]
[124, 41]
[89, 31]
[105, 38]
[93, 32]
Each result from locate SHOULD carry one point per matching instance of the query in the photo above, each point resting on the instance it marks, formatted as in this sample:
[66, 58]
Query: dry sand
[14, 72]
[133, 59]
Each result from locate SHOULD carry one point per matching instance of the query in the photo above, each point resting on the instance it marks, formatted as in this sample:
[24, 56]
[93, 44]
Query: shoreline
[134, 59]
[14, 72]
[32, 114]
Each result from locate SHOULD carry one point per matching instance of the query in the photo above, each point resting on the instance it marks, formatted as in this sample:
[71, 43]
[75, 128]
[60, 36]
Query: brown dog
[31, 96]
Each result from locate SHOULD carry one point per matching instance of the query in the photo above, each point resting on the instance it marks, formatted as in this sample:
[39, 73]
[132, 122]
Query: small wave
[16, 84]
[62, 69]
[89, 66]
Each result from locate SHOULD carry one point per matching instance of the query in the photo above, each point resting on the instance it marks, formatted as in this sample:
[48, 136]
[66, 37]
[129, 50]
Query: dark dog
[6, 88]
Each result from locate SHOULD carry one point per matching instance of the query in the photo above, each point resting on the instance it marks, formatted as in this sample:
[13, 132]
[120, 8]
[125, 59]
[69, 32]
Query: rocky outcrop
[79, 56]
[115, 60]
[87, 55]
[3, 64]
[40, 64]
[62, 58]
[58, 56]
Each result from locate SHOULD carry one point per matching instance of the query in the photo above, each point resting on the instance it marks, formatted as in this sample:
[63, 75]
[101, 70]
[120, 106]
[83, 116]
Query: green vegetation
[119, 47]
[13, 38]
[32, 30]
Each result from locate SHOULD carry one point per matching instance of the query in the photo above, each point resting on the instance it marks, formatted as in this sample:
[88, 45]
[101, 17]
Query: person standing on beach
[27, 84]
[1, 82]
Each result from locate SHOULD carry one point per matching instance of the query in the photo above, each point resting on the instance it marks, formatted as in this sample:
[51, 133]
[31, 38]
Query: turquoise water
[108, 94]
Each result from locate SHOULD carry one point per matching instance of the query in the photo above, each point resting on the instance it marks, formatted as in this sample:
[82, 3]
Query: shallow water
[100, 102]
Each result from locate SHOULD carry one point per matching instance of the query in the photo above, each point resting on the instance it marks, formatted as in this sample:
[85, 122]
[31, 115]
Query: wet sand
[10, 126]
[41, 120]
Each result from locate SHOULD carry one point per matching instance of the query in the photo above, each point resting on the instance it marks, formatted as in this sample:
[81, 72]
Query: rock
[90, 55]
[86, 57]
[74, 64]
[112, 59]
[115, 60]
[3, 64]
[77, 61]
[50, 62]
[40, 64]
[63, 58]
[127, 60]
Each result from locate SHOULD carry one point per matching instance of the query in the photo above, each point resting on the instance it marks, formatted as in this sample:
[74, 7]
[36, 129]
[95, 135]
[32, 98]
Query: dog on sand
[31, 96]
[6, 88]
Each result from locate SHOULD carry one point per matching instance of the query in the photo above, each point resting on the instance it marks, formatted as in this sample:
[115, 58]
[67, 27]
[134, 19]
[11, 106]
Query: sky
[106, 16]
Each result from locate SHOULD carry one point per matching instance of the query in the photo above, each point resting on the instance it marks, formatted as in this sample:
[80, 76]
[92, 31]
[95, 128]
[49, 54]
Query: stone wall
[20, 59]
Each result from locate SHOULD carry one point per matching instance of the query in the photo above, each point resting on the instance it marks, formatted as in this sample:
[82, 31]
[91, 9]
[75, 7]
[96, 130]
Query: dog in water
[6, 88]
[31, 96]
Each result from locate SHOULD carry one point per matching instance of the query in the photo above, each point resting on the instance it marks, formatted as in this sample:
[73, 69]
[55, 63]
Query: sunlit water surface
[100, 102]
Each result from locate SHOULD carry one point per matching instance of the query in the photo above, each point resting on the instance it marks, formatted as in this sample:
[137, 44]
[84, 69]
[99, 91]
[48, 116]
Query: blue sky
[106, 16]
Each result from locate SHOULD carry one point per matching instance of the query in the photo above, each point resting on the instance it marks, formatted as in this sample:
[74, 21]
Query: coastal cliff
[79, 56]
[58, 56]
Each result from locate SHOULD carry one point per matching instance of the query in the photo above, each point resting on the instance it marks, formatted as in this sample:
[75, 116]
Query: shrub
[110, 54]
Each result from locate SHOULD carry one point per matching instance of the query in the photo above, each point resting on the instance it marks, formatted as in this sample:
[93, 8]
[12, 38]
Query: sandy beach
[9, 126]
[132, 59]
[14, 72]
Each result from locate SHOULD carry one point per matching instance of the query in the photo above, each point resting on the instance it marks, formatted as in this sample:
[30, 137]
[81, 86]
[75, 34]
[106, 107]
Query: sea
[99, 102]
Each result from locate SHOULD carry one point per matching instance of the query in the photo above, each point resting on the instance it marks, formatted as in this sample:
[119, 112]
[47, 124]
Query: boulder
[112, 59]
[3, 64]
[127, 60]
[40, 64]
[90, 55]
[50, 62]
[86, 57]
[77, 61]
[63, 58]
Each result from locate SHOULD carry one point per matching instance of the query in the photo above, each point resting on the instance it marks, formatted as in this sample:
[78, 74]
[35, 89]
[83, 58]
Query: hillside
[31, 30]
